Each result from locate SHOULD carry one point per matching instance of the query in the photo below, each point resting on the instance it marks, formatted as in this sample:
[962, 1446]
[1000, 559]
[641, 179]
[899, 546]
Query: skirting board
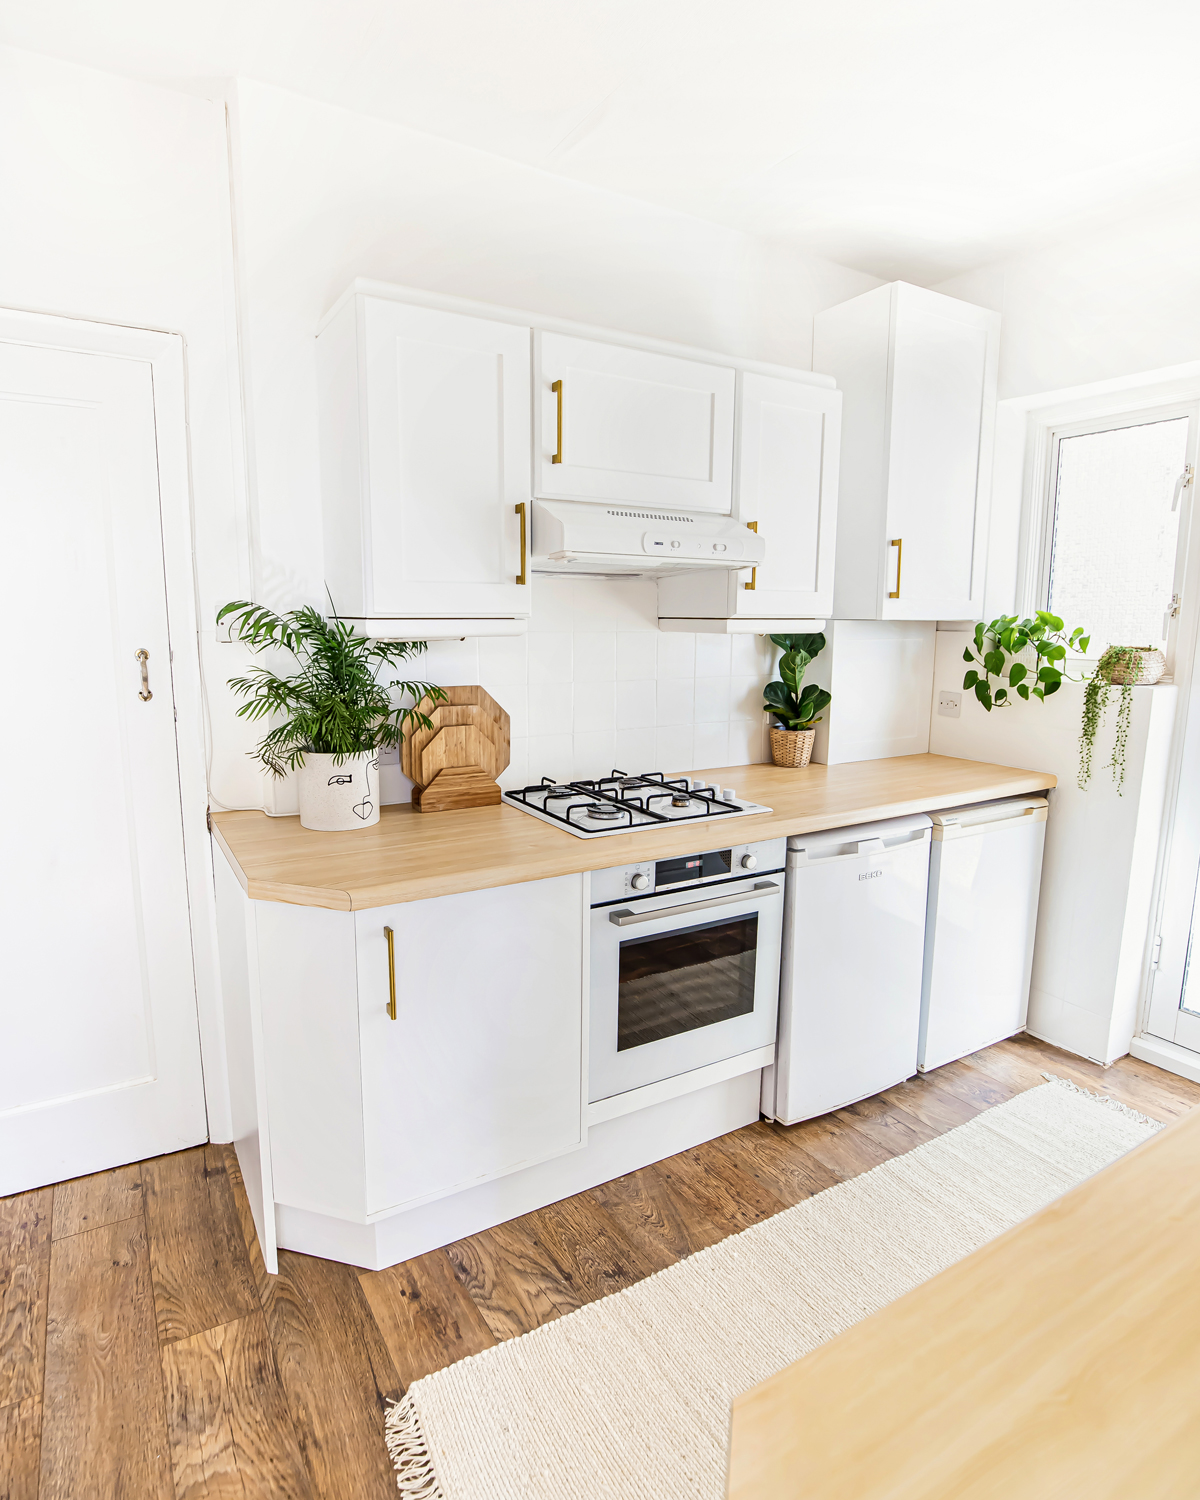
[614, 1148]
[1167, 1055]
[741, 627]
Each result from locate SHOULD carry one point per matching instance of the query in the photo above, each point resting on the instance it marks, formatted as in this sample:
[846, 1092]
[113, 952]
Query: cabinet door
[481, 1072]
[447, 461]
[626, 425]
[943, 393]
[787, 467]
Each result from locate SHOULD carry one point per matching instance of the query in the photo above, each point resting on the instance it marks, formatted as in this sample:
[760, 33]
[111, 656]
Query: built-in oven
[684, 966]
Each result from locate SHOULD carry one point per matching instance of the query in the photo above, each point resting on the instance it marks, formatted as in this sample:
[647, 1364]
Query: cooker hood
[596, 539]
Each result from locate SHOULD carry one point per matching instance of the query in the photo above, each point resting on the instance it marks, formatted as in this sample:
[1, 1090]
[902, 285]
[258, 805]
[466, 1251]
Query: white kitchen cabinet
[480, 1074]
[918, 375]
[425, 424]
[621, 424]
[787, 455]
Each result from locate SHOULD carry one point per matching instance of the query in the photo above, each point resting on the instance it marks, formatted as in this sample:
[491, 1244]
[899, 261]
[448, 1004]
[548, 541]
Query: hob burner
[620, 803]
[603, 810]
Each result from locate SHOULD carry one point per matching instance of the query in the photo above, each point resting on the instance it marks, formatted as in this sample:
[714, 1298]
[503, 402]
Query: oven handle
[627, 918]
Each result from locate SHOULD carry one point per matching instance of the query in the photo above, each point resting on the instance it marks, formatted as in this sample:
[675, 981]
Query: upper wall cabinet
[788, 436]
[918, 375]
[424, 458]
[612, 423]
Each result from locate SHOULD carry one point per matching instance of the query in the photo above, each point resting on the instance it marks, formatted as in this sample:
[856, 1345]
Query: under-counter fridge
[984, 875]
[850, 989]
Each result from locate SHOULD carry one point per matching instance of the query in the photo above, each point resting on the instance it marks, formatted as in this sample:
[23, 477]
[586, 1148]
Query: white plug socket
[949, 703]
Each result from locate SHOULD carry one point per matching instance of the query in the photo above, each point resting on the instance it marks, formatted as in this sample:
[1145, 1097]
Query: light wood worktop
[409, 856]
[1061, 1360]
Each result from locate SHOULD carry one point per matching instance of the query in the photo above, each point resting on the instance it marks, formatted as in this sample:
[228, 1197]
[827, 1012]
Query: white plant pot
[336, 797]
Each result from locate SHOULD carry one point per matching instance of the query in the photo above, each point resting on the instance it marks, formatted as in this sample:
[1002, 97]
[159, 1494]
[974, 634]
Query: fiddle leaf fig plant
[794, 706]
[997, 673]
[335, 703]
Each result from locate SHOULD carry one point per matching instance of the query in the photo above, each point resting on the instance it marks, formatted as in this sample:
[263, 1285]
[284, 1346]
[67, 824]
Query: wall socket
[949, 703]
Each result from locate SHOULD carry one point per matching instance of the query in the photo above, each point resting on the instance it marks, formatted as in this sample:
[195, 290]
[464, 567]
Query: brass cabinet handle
[898, 543]
[144, 657]
[391, 942]
[753, 584]
[520, 509]
[557, 389]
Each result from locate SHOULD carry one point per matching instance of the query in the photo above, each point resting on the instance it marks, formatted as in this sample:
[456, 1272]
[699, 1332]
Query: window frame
[1040, 556]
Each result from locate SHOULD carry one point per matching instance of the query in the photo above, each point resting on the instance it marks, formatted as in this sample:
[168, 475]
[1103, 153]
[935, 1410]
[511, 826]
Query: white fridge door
[976, 983]
[850, 998]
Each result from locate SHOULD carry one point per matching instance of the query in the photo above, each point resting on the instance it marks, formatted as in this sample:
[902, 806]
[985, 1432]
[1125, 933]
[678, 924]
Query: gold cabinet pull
[557, 389]
[144, 657]
[753, 584]
[898, 543]
[520, 509]
[391, 942]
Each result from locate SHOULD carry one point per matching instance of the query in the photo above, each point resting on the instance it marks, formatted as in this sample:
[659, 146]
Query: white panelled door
[100, 1058]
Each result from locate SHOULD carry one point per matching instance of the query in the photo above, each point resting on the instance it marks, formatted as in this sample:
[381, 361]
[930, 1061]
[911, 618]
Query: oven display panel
[684, 980]
[692, 867]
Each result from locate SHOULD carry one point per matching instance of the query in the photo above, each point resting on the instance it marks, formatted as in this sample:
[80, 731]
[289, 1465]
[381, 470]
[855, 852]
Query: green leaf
[1023, 689]
[1049, 674]
[970, 679]
[1037, 693]
[983, 693]
[1052, 687]
[968, 654]
[1084, 642]
[994, 661]
[1017, 673]
[979, 631]
[1001, 695]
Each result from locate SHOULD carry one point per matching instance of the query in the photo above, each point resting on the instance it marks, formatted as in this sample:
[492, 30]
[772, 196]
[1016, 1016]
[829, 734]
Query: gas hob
[622, 804]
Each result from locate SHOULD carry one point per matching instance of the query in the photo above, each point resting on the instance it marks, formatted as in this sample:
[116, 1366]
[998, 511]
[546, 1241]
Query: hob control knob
[639, 882]
[749, 862]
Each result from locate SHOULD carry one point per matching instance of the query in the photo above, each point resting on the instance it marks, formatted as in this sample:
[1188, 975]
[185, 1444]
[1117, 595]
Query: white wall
[1096, 305]
[1101, 847]
[325, 195]
[880, 674]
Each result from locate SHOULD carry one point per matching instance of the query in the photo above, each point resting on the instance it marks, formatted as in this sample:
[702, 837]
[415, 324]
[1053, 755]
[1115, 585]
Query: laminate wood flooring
[145, 1354]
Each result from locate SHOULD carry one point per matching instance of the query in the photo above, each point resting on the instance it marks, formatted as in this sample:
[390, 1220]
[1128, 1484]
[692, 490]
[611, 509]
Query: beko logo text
[871, 875]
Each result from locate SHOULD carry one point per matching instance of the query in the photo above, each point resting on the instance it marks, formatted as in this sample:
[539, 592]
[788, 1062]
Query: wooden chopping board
[467, 706]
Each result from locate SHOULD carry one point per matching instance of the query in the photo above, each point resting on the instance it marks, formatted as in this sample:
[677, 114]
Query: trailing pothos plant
[793, 706]
[997, 673]
[334, 704]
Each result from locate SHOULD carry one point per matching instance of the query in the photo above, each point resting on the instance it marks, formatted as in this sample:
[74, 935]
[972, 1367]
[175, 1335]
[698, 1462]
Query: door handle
[753, 584]
[557, 389]
[898, 543]
[520, 509]
[144, 657]
[627, 918]
[391, 942]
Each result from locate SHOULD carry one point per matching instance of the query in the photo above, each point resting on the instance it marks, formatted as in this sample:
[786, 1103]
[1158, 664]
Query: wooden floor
[144, 1352]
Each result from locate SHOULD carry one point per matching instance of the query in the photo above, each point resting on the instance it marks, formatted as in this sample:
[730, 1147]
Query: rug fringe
[406, 1444]
[1104, 1099]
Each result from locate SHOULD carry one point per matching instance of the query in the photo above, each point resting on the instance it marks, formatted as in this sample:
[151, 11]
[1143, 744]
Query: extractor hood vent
[588, 539]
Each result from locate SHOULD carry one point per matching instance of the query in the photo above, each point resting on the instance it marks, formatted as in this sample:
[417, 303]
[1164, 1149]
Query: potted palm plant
[336, 715]
[797, 710]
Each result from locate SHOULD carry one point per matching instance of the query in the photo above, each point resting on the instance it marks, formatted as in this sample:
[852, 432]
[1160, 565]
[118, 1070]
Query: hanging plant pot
[1136, 666]
[792, 747]
[339, 795]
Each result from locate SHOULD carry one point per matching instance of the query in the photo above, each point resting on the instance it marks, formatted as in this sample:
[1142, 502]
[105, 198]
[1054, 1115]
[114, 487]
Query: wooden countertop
[409, 856]
[1061, 1360]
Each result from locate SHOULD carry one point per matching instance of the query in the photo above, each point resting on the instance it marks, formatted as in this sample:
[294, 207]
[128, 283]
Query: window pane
[1113, 559]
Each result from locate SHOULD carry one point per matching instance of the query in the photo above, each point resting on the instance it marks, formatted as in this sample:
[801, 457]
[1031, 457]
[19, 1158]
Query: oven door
[679, 983]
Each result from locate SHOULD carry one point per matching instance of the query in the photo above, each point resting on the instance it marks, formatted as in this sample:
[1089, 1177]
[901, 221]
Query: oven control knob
[749, 861]
[640, 881]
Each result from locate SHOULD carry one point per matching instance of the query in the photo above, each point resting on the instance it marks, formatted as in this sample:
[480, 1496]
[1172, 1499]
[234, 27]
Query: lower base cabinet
[481, 1073]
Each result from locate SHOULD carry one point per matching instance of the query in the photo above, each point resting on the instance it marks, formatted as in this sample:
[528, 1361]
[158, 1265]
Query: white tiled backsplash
[595, 684]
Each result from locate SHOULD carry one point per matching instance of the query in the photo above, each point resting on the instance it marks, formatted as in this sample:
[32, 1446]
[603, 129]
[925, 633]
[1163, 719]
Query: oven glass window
[681, 981]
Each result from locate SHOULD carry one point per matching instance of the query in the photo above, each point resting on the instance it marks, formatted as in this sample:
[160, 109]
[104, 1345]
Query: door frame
[165, 353]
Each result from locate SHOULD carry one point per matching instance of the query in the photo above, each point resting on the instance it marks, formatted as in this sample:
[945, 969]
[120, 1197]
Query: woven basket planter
[1154, 664]
[792, 747]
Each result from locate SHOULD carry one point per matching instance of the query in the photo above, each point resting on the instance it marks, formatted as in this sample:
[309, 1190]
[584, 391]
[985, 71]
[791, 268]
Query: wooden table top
[409, 856]
[1062, 1360]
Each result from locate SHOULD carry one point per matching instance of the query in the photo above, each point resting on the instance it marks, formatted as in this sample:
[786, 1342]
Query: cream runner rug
[628, 1398]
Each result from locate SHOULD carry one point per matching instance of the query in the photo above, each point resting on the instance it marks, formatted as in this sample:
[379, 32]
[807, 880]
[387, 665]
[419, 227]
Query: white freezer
[984, 875]
[850, 989]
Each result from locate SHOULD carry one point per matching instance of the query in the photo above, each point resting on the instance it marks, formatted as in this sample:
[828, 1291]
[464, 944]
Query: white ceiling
[910, 138]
